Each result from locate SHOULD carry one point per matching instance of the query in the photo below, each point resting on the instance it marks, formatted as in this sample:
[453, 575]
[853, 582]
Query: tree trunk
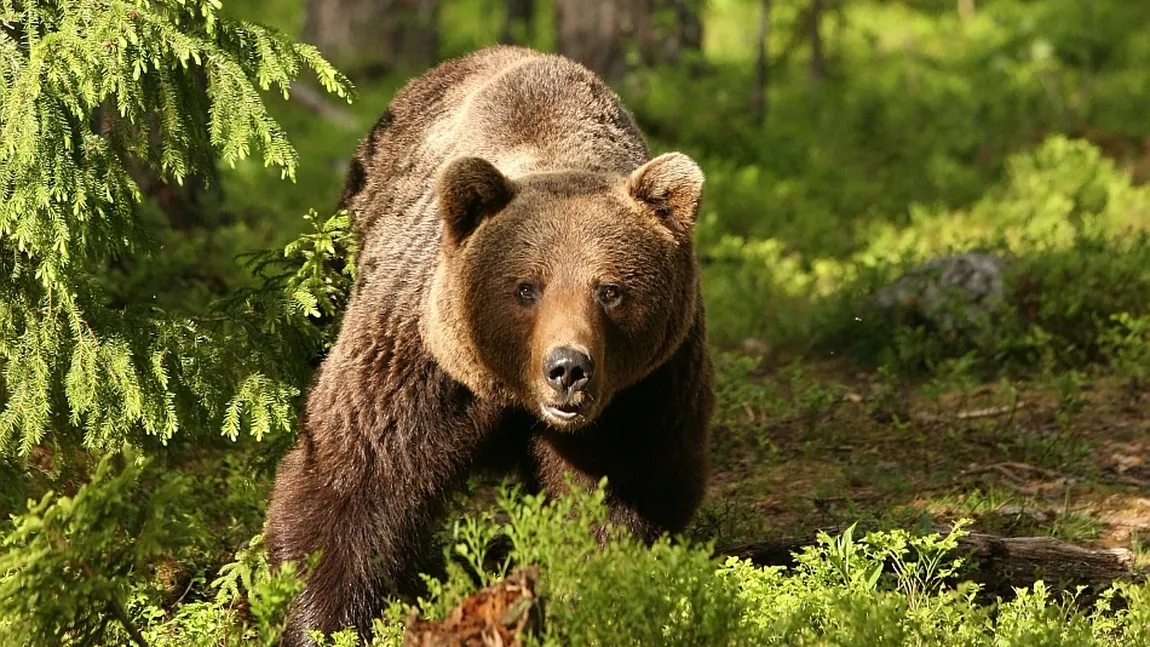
[364, 38]
[188, 204]
[818, 60]
[681, 29]
[605, 34]
[762, 69]
[966, 9]
[517, 22]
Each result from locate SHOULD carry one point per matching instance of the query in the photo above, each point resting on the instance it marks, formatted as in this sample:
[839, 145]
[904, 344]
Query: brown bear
[527, 300]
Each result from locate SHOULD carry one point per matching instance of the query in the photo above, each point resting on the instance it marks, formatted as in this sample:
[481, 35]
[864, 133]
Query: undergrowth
[1074, 237]
[884, 588]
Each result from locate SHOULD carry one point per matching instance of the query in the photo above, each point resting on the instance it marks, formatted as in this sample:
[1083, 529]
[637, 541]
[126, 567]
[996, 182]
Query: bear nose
[567, 369]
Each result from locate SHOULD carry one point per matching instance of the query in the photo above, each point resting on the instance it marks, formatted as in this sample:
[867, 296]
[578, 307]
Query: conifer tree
[180, 73]
[95, 94]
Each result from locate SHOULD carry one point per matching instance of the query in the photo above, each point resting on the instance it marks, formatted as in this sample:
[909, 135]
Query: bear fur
[506, 206]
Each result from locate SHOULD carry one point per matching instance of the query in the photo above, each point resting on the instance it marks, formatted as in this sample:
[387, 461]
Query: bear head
[556, 290]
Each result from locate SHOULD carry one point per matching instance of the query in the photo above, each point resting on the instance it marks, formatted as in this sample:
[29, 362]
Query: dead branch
[989, 412]
[1123, 479]
[311, 99]
[974, 414]
[1020, 561]
[1010, 471]
[497, 616]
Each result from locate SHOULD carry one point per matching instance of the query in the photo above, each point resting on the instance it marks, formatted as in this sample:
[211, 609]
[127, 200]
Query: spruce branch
[92, 94]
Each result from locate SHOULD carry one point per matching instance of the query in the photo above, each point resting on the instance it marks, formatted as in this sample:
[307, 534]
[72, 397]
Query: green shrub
[73, 557]
[1075, 233]
[887, 588]
[69, 562]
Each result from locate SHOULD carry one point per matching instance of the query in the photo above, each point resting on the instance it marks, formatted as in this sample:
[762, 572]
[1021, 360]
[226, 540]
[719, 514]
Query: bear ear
[671, 185]
[470, 189]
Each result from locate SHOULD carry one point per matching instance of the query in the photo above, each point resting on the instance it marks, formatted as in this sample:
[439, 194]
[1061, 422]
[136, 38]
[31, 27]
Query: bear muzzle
[569, 372]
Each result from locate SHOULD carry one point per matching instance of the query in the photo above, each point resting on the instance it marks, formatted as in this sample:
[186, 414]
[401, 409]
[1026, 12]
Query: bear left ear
[470, 189]
[672, 186]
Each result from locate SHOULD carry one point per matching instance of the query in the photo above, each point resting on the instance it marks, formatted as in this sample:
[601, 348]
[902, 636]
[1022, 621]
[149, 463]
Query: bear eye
[527, 293]
[610, 295]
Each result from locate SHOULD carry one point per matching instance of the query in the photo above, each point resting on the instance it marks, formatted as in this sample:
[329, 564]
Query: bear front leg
[358, 539]
[366, 485]
[648, 492]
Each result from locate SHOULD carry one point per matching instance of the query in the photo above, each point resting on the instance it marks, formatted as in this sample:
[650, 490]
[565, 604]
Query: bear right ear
[671, 185]
[470, 189]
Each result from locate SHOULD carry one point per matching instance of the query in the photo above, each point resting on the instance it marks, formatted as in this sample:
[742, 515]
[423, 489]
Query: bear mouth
[563, 413]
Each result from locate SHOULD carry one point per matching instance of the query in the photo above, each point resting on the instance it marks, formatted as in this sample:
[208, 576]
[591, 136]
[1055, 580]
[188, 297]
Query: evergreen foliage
[69, 209]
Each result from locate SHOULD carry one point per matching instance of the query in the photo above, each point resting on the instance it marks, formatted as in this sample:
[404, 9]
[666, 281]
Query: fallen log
[1021, 561]
[1000, 564]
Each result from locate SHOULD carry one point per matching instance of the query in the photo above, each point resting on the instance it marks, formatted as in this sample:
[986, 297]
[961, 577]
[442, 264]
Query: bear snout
[568, 369]
[569, 399]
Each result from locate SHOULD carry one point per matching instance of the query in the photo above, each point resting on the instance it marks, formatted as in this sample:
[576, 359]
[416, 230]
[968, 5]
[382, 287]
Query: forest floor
[1019, 459]
[796, 451]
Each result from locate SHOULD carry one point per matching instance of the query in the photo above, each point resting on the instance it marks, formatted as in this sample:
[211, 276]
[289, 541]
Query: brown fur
[497, 175]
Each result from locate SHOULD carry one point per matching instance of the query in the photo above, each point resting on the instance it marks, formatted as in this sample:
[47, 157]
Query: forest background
[926, 269]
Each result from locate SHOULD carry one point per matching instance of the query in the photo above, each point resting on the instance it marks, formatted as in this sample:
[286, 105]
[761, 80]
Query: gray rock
[950, 292]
